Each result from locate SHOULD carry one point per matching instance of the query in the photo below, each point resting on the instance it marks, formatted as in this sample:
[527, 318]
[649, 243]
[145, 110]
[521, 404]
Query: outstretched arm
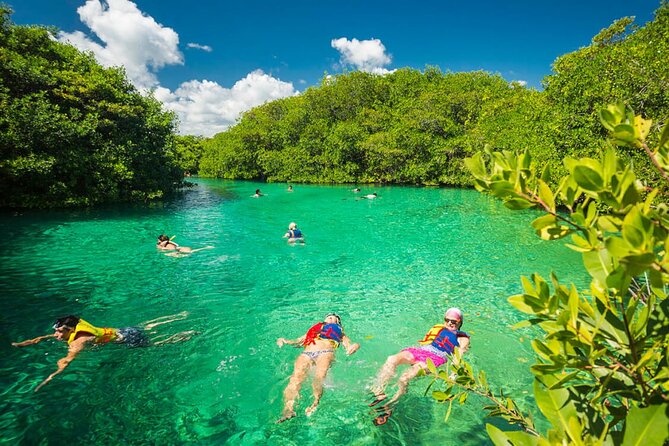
[350, 347]
[296, 342]
[75, 347]
[32, 341]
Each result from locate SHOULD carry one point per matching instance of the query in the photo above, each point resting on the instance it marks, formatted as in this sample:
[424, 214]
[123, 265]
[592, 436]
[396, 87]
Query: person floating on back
[79, 333]
[166, 244]
[319, 343]
[437, 345]
[294, 235]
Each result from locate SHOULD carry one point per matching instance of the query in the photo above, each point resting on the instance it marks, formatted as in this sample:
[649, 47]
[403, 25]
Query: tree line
[73, 133]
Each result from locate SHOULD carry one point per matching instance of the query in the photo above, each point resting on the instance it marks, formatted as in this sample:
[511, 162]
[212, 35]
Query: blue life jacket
[446, 340]
[331, 331]
[295, 233]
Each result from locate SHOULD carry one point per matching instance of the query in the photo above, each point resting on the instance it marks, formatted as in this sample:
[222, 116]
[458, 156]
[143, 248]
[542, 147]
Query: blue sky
[211, 60]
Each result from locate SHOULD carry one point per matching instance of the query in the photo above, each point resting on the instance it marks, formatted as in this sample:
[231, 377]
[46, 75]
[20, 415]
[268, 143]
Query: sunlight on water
[389, 267]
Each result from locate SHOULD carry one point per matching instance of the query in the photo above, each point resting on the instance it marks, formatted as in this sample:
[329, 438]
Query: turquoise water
[389, 267]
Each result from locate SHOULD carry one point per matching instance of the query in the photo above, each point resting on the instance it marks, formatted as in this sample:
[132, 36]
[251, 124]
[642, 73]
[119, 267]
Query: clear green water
[389, 266]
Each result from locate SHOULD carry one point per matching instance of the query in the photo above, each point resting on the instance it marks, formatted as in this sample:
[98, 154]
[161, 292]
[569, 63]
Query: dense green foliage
[601, 371]
[416, 128]
[73, 132]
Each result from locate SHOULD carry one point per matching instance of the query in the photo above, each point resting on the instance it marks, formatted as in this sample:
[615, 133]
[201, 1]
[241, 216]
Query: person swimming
[166, 244]
[294, 234]
[79, 333]
[369, 196]
[319, 343]
[258, 194]
[438, 345]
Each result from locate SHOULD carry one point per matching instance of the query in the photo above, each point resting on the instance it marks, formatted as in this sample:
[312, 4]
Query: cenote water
[389, 267]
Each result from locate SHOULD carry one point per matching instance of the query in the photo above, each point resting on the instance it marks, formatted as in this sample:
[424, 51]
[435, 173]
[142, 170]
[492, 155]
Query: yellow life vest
[102, 335]
[432, 334]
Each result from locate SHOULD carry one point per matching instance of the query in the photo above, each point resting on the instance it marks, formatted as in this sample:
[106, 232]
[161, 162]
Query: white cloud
[206, 108]
[129, 38]
[366, 55]
[521, 83]
[206, 48]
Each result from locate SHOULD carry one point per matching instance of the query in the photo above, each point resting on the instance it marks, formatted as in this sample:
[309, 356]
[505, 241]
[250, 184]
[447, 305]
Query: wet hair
[163, 238]
[67, 321]
[335, 315]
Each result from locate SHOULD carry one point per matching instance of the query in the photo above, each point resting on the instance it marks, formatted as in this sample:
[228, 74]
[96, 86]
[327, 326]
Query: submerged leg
[148, 325]
[292, 391]
[176, 337]
[403, 382]
[322, 366]
[388, 371]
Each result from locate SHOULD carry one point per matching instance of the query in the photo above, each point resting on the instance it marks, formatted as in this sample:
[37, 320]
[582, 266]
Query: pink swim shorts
[421, 355]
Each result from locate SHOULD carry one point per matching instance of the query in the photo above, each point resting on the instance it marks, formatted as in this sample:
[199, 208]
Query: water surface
[389, 267]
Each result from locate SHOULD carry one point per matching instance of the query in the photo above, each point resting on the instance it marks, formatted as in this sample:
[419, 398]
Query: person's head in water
[292, 226]
[332, 318]
[257, 191]
[64, 326]
[453, 318]
[163, 238]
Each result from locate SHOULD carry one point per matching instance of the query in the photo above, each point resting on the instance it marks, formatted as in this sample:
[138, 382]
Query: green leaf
[648, 426]
[557, 408]
[607, 119]
[665, 134]
[546, 195]
[598, 263]
[588, 178]
[515, 438]
[517, 204]
[545, 220]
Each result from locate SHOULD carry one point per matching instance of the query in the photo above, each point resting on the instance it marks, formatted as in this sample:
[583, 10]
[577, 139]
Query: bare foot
[286, 417]
[311, 409]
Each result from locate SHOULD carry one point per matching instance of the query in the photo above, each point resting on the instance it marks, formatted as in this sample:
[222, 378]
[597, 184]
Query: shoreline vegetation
[73, 133]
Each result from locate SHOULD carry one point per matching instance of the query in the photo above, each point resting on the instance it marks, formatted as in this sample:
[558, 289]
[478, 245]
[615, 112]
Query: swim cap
[455, 312]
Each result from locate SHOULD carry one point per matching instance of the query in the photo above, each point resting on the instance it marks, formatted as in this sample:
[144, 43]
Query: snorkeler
[437, 345]
[319, 344]
[166, 244]
[294, 235]
[78, 334]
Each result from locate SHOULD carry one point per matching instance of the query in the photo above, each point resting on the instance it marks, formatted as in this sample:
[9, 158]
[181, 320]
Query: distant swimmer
[78, 334]
[369, 196]
[357, 189]
[166, 244]
[258, 194]
[319, 343]
[290, 188]
[294, 235]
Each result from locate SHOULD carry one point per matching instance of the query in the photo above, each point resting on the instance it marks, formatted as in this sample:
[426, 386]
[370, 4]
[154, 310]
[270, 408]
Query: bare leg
[403, 382]
[388, 371]
[200, 249]
[322, 366]
[292, 391]
[148, 325]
